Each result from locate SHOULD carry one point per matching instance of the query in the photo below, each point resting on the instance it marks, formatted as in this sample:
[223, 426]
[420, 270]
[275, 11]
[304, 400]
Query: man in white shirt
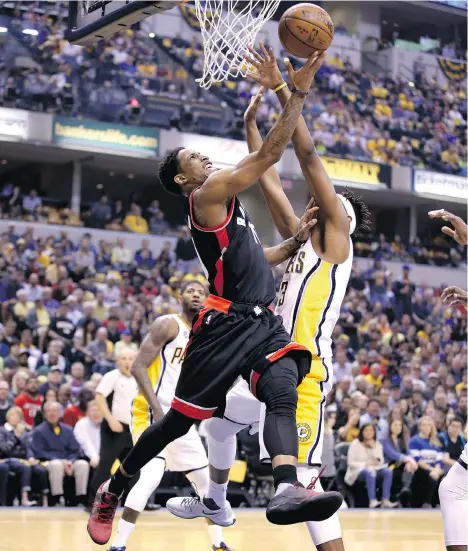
[31, 202]
[33, 288]
[119, 55]
[121, 255]
[74, 313]
[114, 396]
[88, 433]
[341, 366]
[111, 291]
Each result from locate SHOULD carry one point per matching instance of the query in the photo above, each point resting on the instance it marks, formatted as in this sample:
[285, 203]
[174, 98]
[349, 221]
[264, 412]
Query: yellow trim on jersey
[141, 412]
[313, 301]
[308, 414]
[311, 312]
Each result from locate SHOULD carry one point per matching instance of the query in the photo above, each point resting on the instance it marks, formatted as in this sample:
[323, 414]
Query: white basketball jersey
[310, 298]
[165, 370]
[464, 455]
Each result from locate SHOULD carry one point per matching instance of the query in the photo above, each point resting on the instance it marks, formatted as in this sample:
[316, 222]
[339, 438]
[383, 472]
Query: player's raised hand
[268, 73]
[307, 222]
[460, 233]
[455, 296]
[251, 111]
[302, 79]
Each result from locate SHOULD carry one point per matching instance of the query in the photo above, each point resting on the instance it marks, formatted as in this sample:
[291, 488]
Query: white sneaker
[194, 507]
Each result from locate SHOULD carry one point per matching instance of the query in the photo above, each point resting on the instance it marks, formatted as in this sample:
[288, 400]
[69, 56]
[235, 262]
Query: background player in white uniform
[161, 353]
[453, 490]
[310, 298]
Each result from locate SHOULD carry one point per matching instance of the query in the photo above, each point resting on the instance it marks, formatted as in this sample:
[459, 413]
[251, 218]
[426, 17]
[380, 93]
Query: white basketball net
[227, 32]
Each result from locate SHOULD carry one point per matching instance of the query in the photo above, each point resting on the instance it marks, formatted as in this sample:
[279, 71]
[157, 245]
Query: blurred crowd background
[353, 113]
[70, 305]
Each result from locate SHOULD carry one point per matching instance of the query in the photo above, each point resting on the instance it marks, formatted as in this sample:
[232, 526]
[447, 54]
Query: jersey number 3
[282, 292]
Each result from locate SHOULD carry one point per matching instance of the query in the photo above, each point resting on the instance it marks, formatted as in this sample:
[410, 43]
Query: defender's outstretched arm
[224, 184]
[281, 210]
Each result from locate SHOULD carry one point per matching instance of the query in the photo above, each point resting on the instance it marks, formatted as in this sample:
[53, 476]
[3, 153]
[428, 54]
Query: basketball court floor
[65, 530]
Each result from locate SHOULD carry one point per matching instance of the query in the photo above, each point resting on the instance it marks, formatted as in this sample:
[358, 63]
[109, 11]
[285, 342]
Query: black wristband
[298, 241]
[301, 93]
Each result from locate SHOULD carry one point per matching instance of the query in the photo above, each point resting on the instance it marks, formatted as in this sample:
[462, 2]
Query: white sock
[217, 492]
[281, 487]
[124, 530]
[216, 534]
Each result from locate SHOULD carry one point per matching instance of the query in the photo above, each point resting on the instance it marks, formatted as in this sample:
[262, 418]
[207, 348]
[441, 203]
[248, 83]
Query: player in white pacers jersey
[161, 354]
[310, 297]
[453, 495]
[453, 490]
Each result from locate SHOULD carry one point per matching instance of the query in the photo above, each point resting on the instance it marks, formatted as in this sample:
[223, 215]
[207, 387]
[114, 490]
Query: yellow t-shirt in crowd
[147, 69]
[352, 434]
[52, 273]
[406, 104]
[43, 318]
[384, 110]
[450, 157]
[336, 62]
[375, 381]
[21, 309]
[100, 312]
[136, 224]
[378, 92]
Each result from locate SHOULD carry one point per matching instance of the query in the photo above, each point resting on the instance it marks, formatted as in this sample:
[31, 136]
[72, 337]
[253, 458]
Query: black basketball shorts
[230, 340]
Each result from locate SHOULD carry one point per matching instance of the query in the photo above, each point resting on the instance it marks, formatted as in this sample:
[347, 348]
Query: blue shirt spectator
[425, 446]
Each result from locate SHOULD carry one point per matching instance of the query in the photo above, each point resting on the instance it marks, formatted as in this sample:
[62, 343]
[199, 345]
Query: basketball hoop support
[109, 19]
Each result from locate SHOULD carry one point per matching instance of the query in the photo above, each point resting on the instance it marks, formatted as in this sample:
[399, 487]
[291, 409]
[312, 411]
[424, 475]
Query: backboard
[92, 20]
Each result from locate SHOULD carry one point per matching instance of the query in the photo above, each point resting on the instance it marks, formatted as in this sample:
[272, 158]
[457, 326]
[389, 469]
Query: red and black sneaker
[102, 515]
[298, 504]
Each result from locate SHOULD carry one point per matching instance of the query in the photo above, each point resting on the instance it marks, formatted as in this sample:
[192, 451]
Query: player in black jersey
[236, 333]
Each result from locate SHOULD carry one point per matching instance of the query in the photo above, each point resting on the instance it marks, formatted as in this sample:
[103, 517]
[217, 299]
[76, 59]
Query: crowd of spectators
[400, 360]
[131, 217]
[351, 113]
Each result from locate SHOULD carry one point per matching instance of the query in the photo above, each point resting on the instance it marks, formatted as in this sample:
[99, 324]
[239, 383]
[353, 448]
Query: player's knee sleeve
[277, 387]
[150, 478]
[326, 530]
[200, 480]
[453, 495]
[222, 442]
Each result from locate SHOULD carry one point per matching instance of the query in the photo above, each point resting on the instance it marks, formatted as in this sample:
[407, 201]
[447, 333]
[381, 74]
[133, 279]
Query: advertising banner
[14, 123]
[114, 138]
[436, 183]
[361, 172]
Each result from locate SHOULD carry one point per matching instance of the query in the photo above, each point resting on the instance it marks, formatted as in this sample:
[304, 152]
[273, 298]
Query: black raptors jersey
[232, 257]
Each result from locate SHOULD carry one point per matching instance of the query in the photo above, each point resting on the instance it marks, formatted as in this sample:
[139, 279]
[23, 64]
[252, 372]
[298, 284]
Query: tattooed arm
[162, 331]
[225, 183]
[278, 254]
[281, 210]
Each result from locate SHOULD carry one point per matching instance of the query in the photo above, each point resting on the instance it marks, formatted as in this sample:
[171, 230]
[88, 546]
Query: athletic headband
[350, 212]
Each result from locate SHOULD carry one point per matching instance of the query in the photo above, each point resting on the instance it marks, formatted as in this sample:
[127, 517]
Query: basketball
[305, 28]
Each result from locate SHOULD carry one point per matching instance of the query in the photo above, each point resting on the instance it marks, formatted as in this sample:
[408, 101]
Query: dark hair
[185, 284]
[363, 428]
[84, 396]
[168, 170]
[455, 420]
[363, 219]
[373, 400]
